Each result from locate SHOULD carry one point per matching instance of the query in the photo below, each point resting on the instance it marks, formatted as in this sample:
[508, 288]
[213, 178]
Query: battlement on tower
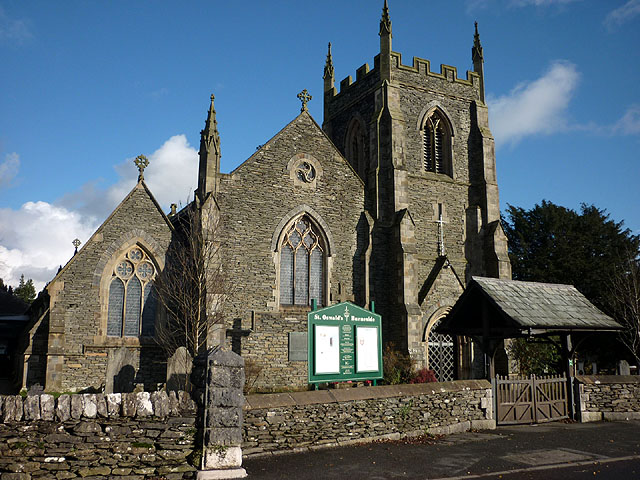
[422, 66]
[366, 77]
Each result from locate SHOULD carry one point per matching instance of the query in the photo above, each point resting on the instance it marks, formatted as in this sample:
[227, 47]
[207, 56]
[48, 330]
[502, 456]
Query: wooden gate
[530, 400]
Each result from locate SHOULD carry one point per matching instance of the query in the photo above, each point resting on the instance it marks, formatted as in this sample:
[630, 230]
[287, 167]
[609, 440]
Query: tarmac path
[607, 450]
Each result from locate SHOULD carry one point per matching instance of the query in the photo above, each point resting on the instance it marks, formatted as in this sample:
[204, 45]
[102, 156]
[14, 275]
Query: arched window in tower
[436, 144]
[132, 298]
[355, 149]
[302, 264]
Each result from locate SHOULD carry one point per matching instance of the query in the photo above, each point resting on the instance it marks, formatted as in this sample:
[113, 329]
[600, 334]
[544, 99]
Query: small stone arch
[354, 146]
[289, 217]
[430, 108]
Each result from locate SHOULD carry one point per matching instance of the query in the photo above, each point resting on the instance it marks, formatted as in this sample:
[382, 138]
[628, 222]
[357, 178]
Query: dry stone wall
[98, 436]
[293, 421]
[608, 397]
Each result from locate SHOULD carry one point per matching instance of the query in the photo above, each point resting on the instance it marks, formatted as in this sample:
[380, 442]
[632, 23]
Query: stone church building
[393, 200]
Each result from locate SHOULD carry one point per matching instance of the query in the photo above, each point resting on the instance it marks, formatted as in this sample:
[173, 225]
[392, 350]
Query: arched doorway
[440, 350]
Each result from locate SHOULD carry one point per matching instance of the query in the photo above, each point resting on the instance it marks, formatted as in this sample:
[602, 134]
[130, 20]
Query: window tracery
[436, 144]
[132, 299]
[305, 172]
[302, 264]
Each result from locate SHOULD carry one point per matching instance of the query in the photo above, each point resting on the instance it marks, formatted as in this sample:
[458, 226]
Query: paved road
[550, 451]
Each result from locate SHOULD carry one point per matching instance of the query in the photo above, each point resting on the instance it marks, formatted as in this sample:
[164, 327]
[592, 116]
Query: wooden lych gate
[530, 400]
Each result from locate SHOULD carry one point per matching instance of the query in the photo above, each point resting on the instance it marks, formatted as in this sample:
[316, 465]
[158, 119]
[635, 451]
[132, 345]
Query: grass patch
[142, 445]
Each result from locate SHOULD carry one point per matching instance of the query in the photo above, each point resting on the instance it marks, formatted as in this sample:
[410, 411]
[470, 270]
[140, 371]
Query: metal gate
[441, 356]
[530, 400]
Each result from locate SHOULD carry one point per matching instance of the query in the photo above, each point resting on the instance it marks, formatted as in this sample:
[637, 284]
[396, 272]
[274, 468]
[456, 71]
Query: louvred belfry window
[132, 298]
[435, 138]
[302, 260]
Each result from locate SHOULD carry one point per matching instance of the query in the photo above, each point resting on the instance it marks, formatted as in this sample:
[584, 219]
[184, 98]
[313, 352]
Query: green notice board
[345, 343]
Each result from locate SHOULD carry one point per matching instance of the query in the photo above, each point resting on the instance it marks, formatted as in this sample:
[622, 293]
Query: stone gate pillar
[221, 450]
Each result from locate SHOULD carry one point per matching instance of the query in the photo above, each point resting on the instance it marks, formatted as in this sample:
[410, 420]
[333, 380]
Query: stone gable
[78, 347]
[257, 201]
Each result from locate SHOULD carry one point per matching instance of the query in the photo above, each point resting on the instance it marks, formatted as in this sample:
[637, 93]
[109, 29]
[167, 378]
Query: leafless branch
[625, 293]
[191, 287]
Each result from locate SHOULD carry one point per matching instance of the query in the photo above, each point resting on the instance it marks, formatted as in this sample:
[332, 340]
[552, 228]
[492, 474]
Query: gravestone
[179, 367]
[623, 368]
[222, 452]
[120, 376]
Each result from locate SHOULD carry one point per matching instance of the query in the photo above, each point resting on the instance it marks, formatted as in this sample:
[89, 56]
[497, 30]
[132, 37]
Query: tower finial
[141, 162]
[477, 56]
[476, 51]
[328, 65]
[385, 21]
[209, 153]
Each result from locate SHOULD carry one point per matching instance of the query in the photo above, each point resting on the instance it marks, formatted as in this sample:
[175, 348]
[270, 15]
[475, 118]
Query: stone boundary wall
[98, 436]
[608, 397]
[284, 422]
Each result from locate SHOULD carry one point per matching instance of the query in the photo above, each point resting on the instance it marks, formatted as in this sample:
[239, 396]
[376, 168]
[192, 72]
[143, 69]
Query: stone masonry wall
[267, 348]
[608, 397]
[294, 421]
[96, 436]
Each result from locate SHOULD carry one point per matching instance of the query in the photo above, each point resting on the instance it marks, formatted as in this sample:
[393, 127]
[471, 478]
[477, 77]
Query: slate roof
[514, 306]
[539, 305]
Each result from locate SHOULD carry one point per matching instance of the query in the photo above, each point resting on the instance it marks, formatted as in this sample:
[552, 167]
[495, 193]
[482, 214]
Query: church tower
[421, 143]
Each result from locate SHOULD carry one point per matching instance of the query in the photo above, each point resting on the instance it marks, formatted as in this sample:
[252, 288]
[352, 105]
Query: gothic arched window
[436, 144]
[302, 264]
[132, 297]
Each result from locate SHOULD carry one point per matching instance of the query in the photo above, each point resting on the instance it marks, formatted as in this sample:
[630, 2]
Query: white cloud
[13, 31]
[536, 107]
[629, 124]
[36, 238]
[622, 14]
[171, 177]
[9, 169]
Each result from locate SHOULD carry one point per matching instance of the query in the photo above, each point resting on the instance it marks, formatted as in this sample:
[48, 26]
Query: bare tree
[191, 287]
[625, 302]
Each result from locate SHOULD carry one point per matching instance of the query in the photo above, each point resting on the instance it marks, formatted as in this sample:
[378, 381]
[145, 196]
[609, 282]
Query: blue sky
[87, 86]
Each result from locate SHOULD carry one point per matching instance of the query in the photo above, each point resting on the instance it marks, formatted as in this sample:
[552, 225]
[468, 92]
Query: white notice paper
[327, 340]
[367, 349]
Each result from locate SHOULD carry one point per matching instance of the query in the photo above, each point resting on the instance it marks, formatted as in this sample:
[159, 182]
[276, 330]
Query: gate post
[221, 446]
[567, 353]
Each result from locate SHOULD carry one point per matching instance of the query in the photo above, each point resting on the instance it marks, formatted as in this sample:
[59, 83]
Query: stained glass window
[302, 277]
[132, 300]
[286, 275]
[149, 310]
[116, 304]
[302, 260]
[132, 309]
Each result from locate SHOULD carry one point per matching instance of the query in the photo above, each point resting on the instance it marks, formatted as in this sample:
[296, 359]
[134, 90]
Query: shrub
[398, 366]
[424, 375]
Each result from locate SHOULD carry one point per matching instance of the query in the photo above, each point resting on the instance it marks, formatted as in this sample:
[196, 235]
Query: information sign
[344, 343]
